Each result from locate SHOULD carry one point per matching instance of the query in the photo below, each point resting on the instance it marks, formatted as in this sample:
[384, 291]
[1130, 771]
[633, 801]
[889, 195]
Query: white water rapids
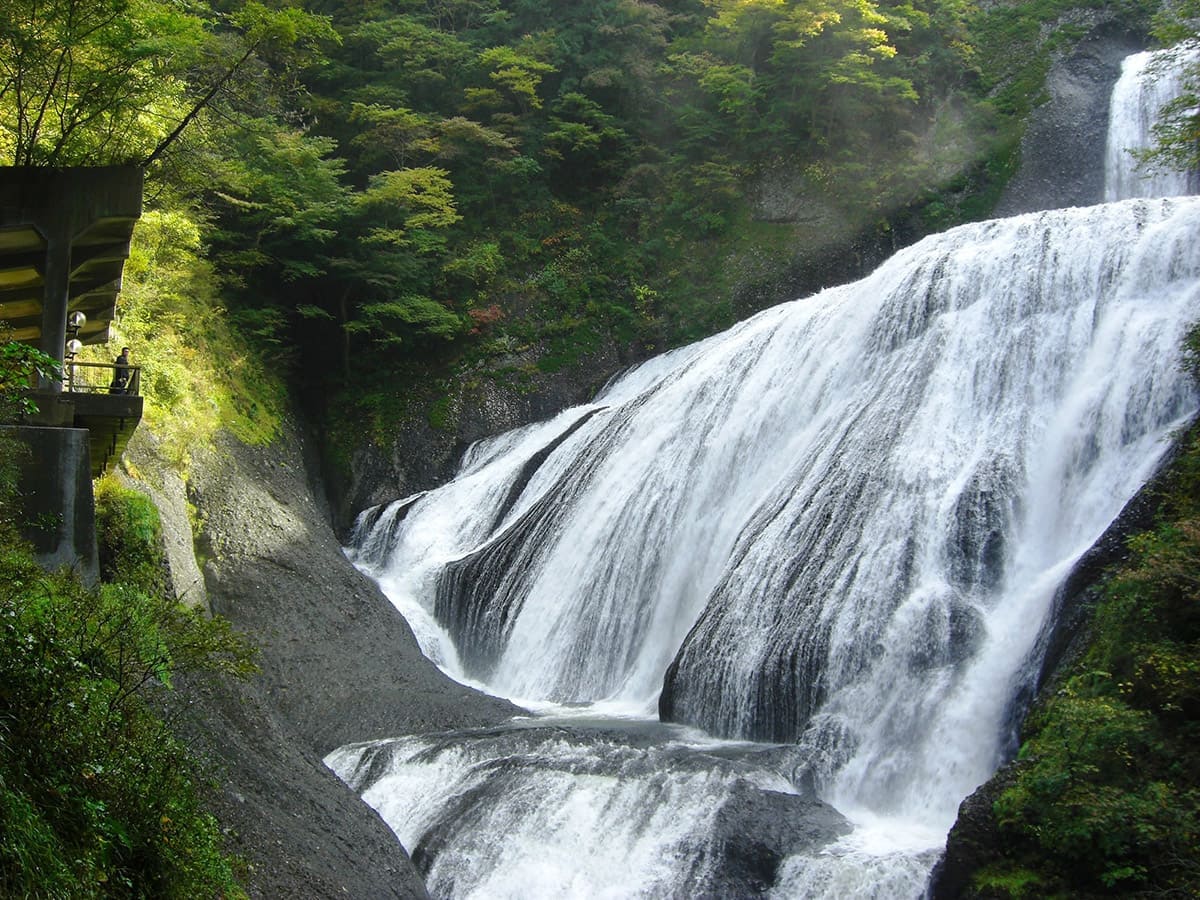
[830, 537]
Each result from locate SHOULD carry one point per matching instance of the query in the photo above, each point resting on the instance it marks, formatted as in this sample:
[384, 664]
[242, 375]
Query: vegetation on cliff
[382, 195]
[1105, 794]
[97, 796]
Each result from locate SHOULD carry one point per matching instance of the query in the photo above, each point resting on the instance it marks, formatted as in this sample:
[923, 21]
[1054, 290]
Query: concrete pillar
[54, 301]
[57, 507]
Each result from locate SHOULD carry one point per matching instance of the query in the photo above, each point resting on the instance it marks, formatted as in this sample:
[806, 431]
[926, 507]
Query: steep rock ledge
[1063, 149]
[422, 455]
[339, 664]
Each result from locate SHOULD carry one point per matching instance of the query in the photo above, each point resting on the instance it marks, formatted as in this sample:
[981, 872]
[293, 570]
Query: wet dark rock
[974, 841]
[756, 831]
[1062, 152]
[953, 631]
[983, 515]
[422, 456]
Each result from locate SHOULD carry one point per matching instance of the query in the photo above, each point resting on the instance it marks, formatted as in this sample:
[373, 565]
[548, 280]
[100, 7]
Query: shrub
[129, 537]
[97, 797]
[1107, 788]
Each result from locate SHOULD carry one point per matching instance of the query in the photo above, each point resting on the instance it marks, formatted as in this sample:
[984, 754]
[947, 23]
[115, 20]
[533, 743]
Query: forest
[352, 204]
[396, 193]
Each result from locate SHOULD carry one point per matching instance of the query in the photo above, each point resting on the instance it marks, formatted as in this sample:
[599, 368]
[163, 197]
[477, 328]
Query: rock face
[756, 832]
[338, 662]
[423, 456]
[973, 843]
[1062, 152]
[152, 476]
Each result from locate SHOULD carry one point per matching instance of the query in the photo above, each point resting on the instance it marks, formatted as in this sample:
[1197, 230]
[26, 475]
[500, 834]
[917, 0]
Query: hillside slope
[338, 664]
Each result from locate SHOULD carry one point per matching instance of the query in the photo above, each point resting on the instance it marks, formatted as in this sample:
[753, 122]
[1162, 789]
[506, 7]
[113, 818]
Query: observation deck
[64, 239]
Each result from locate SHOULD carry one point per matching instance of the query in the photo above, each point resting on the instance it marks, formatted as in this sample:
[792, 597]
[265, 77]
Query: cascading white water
[1148, 82]
[839, 526]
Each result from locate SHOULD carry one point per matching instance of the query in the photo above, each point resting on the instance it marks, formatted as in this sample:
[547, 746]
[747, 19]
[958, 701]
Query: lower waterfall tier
[839, 526]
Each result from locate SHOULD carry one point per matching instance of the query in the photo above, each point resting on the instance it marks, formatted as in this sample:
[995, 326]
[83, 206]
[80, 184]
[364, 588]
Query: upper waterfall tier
[1148, 82]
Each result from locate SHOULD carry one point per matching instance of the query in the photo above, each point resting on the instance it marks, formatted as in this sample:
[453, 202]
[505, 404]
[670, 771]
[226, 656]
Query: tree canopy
[459, 178]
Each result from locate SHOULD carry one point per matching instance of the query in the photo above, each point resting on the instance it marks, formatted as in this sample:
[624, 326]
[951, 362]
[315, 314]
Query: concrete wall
[58, 508]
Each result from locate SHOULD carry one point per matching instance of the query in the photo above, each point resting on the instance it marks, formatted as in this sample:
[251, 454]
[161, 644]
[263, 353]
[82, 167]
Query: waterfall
[1148, 82]
[820, 546]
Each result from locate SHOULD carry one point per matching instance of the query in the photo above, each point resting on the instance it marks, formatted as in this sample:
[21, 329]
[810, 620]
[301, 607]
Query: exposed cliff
[1062, 151]
[338, 664]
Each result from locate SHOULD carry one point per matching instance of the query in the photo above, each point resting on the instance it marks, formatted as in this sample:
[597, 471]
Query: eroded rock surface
[339, 664]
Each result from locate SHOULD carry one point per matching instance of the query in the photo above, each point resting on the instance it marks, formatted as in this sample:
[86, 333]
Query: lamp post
[73, 346]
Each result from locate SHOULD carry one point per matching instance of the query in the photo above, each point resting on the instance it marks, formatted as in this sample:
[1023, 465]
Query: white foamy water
[836, 530]
[1148, 82]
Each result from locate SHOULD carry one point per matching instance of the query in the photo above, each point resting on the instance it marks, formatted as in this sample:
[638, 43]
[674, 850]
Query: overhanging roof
[94, 209]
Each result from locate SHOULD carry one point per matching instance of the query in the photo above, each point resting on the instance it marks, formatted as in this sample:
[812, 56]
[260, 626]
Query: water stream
[820, 547]
[1148, 82]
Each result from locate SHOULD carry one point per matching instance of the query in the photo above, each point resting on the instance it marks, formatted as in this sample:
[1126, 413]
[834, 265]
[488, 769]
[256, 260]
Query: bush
[1085, 796]
[97, 797]
[1107, 788]
[129, 537]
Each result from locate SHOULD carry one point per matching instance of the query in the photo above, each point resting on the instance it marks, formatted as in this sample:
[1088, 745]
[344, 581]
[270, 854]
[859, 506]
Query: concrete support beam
[56, 294]
[56, 502]
[64, 237]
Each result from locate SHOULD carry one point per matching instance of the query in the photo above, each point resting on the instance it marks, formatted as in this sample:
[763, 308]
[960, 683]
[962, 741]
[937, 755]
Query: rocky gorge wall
[338, 663]
[1063, 148]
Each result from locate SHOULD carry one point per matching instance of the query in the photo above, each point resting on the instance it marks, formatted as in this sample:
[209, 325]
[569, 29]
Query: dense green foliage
[1178, 130]
[515, 174]
[199, 372]
[1106, 797]
[20, 365]
[97, 797]
[379, 191]
[386, 194]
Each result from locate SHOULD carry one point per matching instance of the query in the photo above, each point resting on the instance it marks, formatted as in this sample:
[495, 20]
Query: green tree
[1177, 134]
[91, 81]
[282, 39]
[281, 201]
[20, 365]
[515, 73]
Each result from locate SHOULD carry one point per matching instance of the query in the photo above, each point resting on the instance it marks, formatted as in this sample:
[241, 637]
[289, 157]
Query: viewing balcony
[92, 398]
[64, 239]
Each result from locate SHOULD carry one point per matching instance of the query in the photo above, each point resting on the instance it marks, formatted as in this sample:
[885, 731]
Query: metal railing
[101, 378]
